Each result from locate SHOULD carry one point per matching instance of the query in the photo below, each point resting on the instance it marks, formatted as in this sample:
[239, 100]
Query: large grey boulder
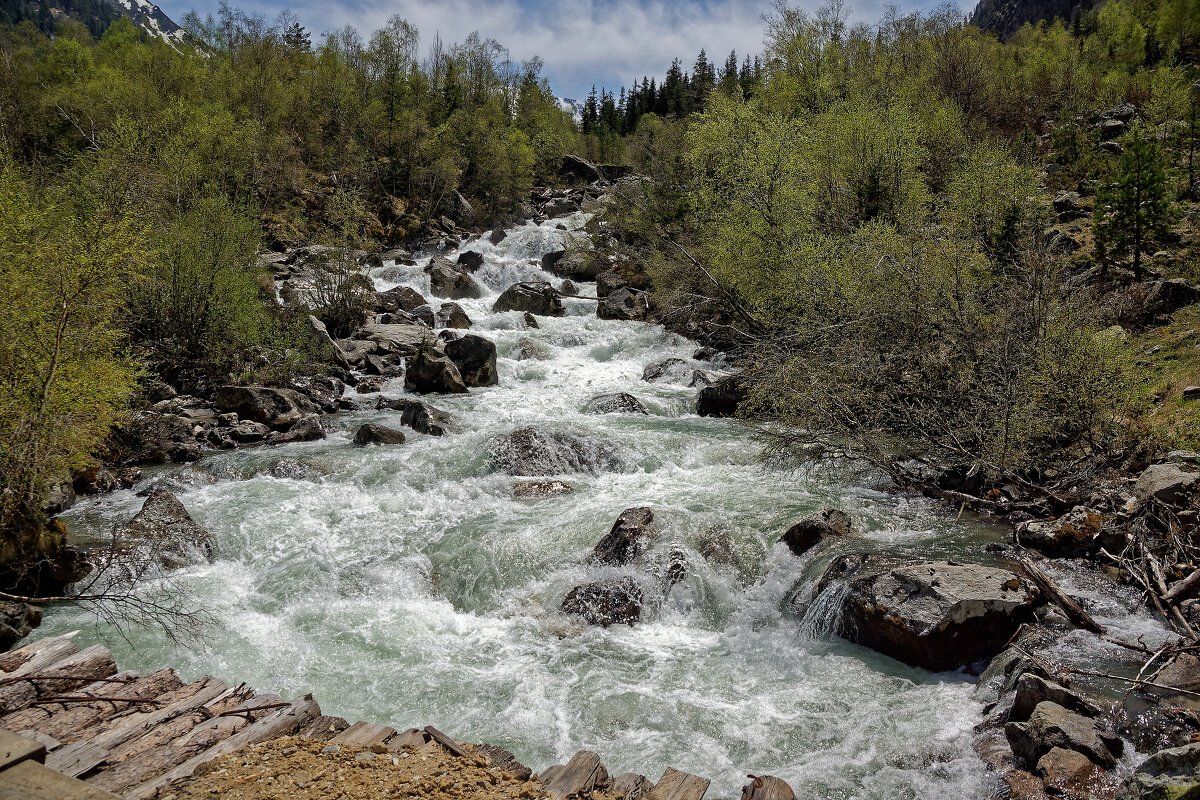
[401, 340]
[1033, 690]
[624, 542]
[447, 280]
[475, 358]
[306, 429]
[1172, 774]
[608, 282]
[279, 409]
[1167, 482]
[1050, 725]
[623, 304]
[828, 523]
[451, 315]
[932, 614]
[578, 266]
[536, 452]
[164, 531]
[148, 437]
[419, 415]
[1072, 535]
[432, 372]
[575, 168]
[615, 403]
[401, 298]
[606, 603]
[533, 297]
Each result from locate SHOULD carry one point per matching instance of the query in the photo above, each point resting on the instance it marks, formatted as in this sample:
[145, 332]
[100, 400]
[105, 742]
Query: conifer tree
[1136, 208]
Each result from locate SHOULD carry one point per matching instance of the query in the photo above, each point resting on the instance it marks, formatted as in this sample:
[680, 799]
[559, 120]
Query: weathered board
[580, 775]
[76, 759]
[677, 785]
[14, 749]
[363, 734]
[30, 780]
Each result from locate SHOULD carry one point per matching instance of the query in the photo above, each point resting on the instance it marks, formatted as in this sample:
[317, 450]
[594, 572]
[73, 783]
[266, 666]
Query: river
[407, 585]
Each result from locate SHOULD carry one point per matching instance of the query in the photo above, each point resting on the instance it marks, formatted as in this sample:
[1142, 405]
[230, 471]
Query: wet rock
[247, 432]
[419, 415]
[497, 235]
[716, 546]
[401, 298]
[17, 620]
[623, 304]
[1003, 673]
[530, 320]
[1167, 482]
[451, 315]
[279, 409]
[1182, 671]
[370, 385]
[552, 258]
[624, 542]
[1032, 690]
[306, 429]
[529, 350]
[470, 260]
[1172, 774]
[148, 437]
[606, 603]
[828, 523]
[614, 403]
[424, 315]
[1050, 726]
[475, 358]
[295, 469]
[95, 479]
[541, 488]
[532, 297]
[672, 370]
[447, 280]
[568, 288]
[608, 282]
[574, 168]
[164, 531]
[722, 398]
[1072, 535]
[933, 614]
[578, 266]
[1071, 774]
[370, 433]
[432, 372]
[535, 452]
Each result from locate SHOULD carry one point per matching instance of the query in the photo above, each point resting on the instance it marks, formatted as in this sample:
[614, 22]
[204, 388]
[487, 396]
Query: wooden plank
[76, 759]
[631, 786]
[131, 726]
[281, 722]
[14, 749]
[1073, 611]
[69, 673]
[677, 785]
[32, 781]
[445, 741]
[324, 728]
[363, 734]
[582, 774]
[409, 738]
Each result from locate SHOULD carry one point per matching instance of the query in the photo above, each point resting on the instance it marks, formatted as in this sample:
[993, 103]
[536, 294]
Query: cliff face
[96, 15]
[1006, 17]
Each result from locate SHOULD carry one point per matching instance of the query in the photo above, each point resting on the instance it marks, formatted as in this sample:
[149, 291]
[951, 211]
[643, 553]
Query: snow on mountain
[571, 106]
[150, 17]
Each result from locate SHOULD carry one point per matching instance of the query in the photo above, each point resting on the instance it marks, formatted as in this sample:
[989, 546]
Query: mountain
[96, 15]
[1006, 17]
[571, 106]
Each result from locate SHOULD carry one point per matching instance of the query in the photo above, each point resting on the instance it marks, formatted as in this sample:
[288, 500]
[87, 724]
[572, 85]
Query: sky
[582, 42]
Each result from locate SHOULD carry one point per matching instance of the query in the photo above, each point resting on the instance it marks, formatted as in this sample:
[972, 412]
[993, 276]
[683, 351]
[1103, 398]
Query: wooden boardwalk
[74, 726]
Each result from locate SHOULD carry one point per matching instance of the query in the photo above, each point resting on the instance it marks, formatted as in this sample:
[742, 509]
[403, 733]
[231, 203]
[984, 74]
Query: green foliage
[1136, 208]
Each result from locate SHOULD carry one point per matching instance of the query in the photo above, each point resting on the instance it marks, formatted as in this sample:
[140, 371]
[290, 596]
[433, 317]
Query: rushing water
[406, 585]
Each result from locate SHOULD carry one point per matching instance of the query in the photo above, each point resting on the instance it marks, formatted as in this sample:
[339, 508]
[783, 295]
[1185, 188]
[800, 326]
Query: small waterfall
[824, 613]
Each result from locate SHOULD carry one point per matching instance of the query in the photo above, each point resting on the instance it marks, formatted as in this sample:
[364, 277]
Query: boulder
[1071, 774]
[371, 384]
[1182, 671]
[529, 350]
[606, 603]
[532, 297]
[672, 370]
[295, 469]
[247, 432]
[401, 298]
[552, 258]
[574, 168]
[475, 358]
[447, 280]
[541, 488]
[535, 452]
[530, 320]
[306, 429]
[497, 235]
[577, 266]
[560, 207]
[932, 614]
[1112, 148]
[568, 287]
[623, 543]
[279, 409]
[470, 260]
[460, 210]
[419, 415]
[451, 315]
[401, 340]
[1066, 202]
[17, 620]
[1169, 483]
[370, 433]
[1172, 774]
[608, 282]
[828, 523]
[614, 403]
[322, 343]
[424, 315]
[432, 372]
[165, 531]
[1167, 296]
[1033, 690]
[722, 398]
[148, 437]
[1050, 725]
[623, 304]
[1073, 535]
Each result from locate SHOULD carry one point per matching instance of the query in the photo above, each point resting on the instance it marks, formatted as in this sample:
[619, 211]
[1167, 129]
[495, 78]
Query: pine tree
[591, 112]
[1136, 208]
[729, 74]
[296, 39]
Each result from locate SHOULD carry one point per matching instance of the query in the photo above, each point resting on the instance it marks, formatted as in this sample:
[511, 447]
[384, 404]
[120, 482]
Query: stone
[306, 429]
[535, 452]
[1071, 774]
[164, 531]
[1168, 296]
[608, 282]
[447, 280]
[1182, 671]
[470, 260]
[606, 603]
[623, 304]
[1169, 483]
[933, 614]
[541, 488]
[574, 168]
[497, 236]
[17, 620]
[580, 266]
[1066, 202]
[1032, 690]
[560, 207]
[1190, 393]
[529, 350]
[148, 437]
[717, 547]
[1073, 535]
[722, 398]
[1112, 148]
[475, 358]
[532, 297]
[1172, 774]
[246, 432]
[370, 433]
[1112, 129]
[828, 523]
[568, 287]
[552, 258]
[295, 469]
[401, 298]
[530, 320]
[672, 370]
[451, 315]
[624, 542]
[371, 384]
[614, 403]
[419, 415]
[1050, 725]
[432, 372]
[279, 409]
